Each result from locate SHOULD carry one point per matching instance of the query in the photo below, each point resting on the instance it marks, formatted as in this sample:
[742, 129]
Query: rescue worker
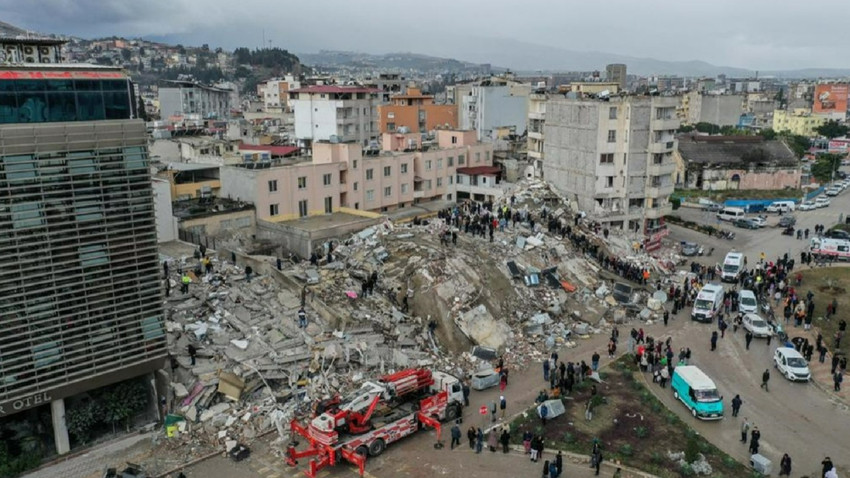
[185, 280]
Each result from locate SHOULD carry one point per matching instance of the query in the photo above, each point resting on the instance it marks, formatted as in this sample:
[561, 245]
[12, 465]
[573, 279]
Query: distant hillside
[326, 59]
[7, 30]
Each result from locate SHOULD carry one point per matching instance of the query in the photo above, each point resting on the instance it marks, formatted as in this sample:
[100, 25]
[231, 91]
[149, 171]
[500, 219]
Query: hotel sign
[14, 406]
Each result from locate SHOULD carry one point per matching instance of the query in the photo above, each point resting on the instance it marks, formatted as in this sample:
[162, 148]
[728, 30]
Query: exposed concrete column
[60, 428]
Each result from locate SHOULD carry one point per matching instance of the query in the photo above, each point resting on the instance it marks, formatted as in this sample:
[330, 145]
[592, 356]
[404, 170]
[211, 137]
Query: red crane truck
[376, 415]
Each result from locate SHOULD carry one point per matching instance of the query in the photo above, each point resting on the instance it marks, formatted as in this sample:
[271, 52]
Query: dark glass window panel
[114, 85]
[30, 85]
[8, 108]
[87, 85]
[32, 108]
[90, 106]
[61, 106]
[60, 85]
[117, 105]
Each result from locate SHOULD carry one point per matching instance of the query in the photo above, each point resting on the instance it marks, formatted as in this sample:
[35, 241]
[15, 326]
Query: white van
[747, 302]
[733, 266]
[708, 303]
[781, 206]
[792, 364]
[731, 214]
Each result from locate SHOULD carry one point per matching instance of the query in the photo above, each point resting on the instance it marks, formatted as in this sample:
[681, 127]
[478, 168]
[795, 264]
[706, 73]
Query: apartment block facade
[182, 98]
[275, 94]
[341, 175]
[536, 122]
[614, 159]
[335, 113]
[415, 113]
[80, 295]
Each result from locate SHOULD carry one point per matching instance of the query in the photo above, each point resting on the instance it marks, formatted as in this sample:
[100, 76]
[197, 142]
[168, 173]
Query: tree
[825, 166]
[708, 128]
[686, 128]
[832, 129]
[780, 98]
[768, 134]
[799, 144]
[123, 401]
[126, 54]
[140, 109]
[82, 419]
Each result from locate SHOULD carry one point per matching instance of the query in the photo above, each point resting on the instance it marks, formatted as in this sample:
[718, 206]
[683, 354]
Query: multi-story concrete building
[415, 112]
[388, 85]
[797, 121]
[722, 110]
[181, 98]
[616, 73]
[80, 295]
[340, 175]
[335, 113]
[613, 159]
[275, 93]
[493, 104]
[536, 122]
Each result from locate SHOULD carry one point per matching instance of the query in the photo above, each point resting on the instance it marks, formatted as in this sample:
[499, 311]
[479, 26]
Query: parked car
[833, 191]
[808, 206]
[709, 205]
[838, 234]
[757, 326]
[791, 364]
[747, 302]
[690, 249]
[746, 223]
[787, 221]
[760, 220]
[821, 202]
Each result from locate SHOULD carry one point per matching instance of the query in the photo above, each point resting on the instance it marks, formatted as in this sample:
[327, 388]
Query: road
[795, 418]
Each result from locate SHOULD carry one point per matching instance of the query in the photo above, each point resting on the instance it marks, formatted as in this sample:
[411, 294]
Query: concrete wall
[302, 242]
[170, 102]
[166, 223]
[316, 119]
[571, 149]
[770, 179]
[499, 106]
[221, 223]
[722, 110]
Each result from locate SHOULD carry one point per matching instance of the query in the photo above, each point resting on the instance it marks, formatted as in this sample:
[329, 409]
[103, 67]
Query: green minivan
[698, 392]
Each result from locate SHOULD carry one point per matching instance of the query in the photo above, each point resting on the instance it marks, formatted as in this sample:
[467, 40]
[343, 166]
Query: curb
[578, 459]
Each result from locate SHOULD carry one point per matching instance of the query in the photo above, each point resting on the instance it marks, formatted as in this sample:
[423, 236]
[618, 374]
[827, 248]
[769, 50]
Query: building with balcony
[388, 85]
[613, 159]
[716, 163]
[798, 121]
[335, 113]
[492, 104]
[534, 140]
[80, 284]
[416, 113]
[345, 175]
[275, 94]
[184, 98]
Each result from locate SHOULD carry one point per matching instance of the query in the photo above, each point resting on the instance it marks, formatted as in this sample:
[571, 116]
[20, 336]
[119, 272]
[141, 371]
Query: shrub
[686, 470]
[82, 419]
[569, 438]
[676, 203]
[642, 432]
[637, 385]
[656, 458]
[656, 407]
[627, 450]
[729, 462]
[691, 449]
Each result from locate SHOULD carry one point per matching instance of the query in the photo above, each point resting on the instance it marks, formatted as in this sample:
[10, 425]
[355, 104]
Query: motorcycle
[728, 235]
[788, 231]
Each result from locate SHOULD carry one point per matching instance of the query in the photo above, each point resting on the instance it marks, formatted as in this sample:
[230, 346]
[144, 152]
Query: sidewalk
[93, 463]
[821, 374]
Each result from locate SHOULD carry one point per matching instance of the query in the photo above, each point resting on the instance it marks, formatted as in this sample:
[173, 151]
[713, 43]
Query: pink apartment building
[345, 175]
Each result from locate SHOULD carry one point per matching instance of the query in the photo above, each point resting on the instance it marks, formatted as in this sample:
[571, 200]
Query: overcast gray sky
[757, 34]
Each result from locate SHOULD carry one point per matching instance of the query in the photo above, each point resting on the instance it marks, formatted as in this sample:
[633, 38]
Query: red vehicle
[376, 415]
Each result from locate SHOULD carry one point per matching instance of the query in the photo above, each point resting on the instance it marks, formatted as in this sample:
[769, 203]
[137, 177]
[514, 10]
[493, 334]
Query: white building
[614, 159]
[335, 113]
[491, 104]
[275, 94]
[536, 120]
[181, 98]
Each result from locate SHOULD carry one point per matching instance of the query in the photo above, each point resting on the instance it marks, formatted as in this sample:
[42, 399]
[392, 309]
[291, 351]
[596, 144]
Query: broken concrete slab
[480, 326]
[217, 409]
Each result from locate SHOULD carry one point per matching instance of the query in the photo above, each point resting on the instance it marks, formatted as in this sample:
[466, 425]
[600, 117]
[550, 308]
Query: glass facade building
[80, 296]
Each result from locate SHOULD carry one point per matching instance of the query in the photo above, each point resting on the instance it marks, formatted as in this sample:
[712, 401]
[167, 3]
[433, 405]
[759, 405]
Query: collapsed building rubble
[453, 307]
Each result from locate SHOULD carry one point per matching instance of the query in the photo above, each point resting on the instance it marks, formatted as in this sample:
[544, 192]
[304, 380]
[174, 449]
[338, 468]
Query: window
[460, 160]
[440, 163]
[451, 161]
[327, 178]
[302, 208]
[487, 156]
[404, 188]
[612, 136]
[369, 174]
[273, 186]
[329, 205]
[609, 181]
[403, 168]
[451, 179]
[612, 112]
[302, 182]
[391, 115]
[388, 191]
[274, 210]
[370, 195]
[606, 158]
[390, 126]
[355, 185]
[354, 164]
[454, 139]
[428, 184]
[439, 182]
[477, 157]
[428, 165]
[388, 170]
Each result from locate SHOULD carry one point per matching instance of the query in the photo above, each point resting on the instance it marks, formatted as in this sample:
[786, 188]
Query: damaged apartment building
[612, 158]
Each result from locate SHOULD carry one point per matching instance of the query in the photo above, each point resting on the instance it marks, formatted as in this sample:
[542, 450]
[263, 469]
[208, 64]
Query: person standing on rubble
[302, 318]
[184, 281]
[192, 353]
[249, 271]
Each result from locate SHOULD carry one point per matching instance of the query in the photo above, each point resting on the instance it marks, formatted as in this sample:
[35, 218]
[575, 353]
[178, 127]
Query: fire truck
[379, 413]
[837, 249]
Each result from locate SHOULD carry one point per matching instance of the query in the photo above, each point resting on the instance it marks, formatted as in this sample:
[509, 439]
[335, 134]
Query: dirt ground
[828, 283]
[632, 427]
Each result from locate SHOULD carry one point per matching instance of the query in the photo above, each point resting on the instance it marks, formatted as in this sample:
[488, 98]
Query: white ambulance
[828, 248]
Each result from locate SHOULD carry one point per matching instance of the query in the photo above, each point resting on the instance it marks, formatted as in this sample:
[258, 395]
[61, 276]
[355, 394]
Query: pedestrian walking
[594, 361]
[505, 439]
[837, 378]
[745, 429]
[736, 405]
[526, 442]
[479, 440]
[755, 436]
[455, 436]
[546, 370]
[544, 412]
[493, 411]
[492, 440]
[559, 463]
[471, 435]
[713, 340]
[785, 465]
[748, 338]
[465, 390]
[764, 379]
[503, 405]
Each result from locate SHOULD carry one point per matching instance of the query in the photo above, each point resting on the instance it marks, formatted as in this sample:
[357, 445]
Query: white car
[760, 220]
[757, 326]
[832, 191]
[747, 302]
[821, 202]
[791, 363]
[808, 206]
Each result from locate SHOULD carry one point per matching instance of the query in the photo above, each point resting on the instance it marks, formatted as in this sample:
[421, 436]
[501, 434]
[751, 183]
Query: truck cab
[697, 391]
[449, 383]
